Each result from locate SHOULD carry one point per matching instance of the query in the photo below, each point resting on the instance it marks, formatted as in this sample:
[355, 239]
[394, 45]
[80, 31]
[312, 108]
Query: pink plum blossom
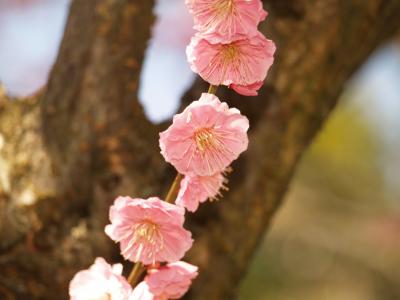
[149, 231]
[197, 189]
[205, 138]
[242, 64]
[100, 282]
[225, 19]
[247, 90]
[171, 281]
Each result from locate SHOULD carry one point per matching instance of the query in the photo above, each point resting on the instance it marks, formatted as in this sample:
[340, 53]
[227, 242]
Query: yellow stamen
[230, 52]
[204, 139]
[146, 232]
[224, 7]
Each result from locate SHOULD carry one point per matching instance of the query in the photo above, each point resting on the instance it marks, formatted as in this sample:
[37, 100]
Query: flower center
[224, 7]
[204, 139]
[147, 232]
[230, 53]
[107, 296]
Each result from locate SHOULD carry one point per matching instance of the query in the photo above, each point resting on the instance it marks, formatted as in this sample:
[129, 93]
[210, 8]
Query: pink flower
[227, 18]
[247, 90]
[100, 282]
[171, 281]
[197, 189]
[205, 138]
[149, 230]
[241, 63]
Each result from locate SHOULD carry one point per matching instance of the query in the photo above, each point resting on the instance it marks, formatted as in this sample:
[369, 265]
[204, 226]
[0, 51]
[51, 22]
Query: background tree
[66, 152]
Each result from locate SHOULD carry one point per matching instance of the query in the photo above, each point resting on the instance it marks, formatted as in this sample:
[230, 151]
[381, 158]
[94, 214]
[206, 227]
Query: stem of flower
[134, 276]
[174, 189]
[212, 89]
[139, 268]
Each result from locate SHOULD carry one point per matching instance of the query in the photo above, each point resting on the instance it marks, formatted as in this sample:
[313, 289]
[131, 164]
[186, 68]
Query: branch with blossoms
[201, 144]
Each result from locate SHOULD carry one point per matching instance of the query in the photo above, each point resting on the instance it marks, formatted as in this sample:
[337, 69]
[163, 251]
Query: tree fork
[66, 153]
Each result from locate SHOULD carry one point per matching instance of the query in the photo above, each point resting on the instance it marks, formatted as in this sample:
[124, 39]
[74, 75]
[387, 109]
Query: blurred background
[337, 236]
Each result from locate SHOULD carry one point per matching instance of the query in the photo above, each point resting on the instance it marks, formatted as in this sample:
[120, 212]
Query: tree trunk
[68, 151]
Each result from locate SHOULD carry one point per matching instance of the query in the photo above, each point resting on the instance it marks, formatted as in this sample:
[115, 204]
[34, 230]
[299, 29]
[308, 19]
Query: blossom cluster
[105, 282]
[201, 143]
[228, 48]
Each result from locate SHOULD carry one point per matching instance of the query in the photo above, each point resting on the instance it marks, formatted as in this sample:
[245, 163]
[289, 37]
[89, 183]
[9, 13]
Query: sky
[30, 34]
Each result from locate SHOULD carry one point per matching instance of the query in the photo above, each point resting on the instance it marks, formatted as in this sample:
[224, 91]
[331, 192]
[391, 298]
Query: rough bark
[68, 151]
